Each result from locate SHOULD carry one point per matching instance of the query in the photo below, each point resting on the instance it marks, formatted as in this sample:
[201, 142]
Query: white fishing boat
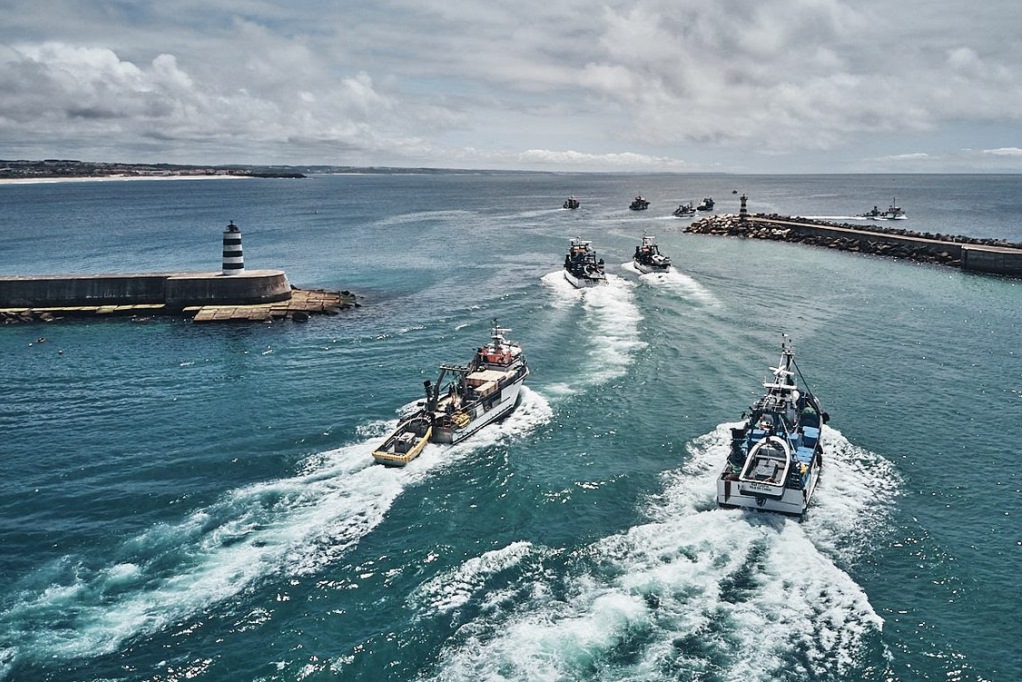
[685, 210]
[893, 212]
[581, 266]
[464, 399]
[648, 258]
[776, 455]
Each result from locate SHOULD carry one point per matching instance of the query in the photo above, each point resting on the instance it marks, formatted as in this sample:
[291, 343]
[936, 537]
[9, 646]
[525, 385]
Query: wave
[89, 606]
[676, 282]
[610, 327]
[416, 217]
[697, 593]
[453, 589]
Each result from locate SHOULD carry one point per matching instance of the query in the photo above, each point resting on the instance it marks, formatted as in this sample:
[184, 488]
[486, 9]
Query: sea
[185, 501]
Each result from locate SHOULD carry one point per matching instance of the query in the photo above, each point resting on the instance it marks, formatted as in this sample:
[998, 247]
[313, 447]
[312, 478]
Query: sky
[737, 86]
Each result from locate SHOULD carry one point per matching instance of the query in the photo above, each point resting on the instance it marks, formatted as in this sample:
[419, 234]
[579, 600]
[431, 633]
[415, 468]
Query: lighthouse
[234, 262]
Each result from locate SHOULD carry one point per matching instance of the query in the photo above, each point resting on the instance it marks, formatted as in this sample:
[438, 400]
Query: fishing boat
[639, 204]
[406, 442]
[685, 210]
[571, 202]
[893, 212]
[706, 204]
[776, 455]
[464, 399]
[581, 266]
[648, 258]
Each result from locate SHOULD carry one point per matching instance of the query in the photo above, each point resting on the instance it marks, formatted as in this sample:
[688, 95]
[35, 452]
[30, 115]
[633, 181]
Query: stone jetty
[299, 305]
[231, 294]
[967, 253]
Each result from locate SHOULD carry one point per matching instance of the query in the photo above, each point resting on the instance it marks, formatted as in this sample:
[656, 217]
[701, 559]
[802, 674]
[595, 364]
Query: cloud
[640, 83]
[574, 159]
[1004, 151]
[58, 90]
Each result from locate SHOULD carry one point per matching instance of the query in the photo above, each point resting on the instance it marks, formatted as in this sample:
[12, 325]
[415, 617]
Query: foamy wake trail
[675, 282]
[611, 325]
[696, 593]
[453, 589]
[88, 606]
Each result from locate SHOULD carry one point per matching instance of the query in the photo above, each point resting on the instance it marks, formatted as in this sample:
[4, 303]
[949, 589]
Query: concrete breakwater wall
[977, 255]
[232, 294]
[251, 295]
[174, 290]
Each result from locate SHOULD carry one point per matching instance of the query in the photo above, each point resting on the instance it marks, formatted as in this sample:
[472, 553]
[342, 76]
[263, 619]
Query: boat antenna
[801, 376]
[786, 348]
[805, 384]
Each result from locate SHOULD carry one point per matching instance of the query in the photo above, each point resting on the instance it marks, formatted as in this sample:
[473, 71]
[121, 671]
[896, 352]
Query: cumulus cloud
[1004, 151]
[635, 83]
[60, 91]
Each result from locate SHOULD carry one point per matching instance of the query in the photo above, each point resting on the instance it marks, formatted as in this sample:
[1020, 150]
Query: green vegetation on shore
[66, 168]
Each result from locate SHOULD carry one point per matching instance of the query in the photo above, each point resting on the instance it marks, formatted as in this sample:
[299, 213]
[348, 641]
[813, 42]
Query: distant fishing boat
[648, 258]
[706, 204]
[893, 212]
[581, 266]
[571, 202]
[639, 204]
[685, 210]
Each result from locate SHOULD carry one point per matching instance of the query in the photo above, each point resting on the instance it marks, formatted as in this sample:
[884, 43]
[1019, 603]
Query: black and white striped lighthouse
[743, 212]
[234, 262]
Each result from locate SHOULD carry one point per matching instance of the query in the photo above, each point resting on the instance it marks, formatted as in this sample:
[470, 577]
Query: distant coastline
[53, 170]
[112, 178]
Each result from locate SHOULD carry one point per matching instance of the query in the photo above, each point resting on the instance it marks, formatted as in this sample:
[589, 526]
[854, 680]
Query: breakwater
[203, 296]
[967, 253]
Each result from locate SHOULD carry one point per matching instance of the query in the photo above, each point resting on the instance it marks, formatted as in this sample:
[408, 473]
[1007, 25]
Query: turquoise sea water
[182, 501]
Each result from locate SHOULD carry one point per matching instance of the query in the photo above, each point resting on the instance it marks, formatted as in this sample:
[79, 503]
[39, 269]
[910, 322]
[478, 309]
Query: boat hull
[647, 269]
[405, 443]
[732, 492]
[584, 282]
[482, 414]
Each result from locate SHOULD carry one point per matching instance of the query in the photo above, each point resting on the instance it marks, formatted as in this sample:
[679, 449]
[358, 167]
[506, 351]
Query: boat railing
[461, 369]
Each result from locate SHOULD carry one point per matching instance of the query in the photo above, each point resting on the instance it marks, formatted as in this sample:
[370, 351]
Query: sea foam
[697, 592]
[611, 324]
[88, 606]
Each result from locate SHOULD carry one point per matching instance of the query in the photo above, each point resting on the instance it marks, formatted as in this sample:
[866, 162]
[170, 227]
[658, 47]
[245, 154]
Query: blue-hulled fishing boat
[776, 455]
